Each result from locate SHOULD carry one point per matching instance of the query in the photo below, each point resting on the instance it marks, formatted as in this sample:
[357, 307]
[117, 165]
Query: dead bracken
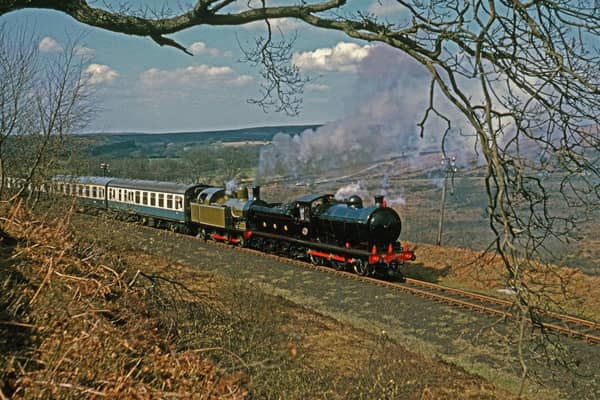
[76, 325]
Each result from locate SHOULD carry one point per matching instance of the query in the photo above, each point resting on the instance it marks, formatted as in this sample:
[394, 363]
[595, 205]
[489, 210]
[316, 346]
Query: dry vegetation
[75, 324]
[81, 321]
[563, 289]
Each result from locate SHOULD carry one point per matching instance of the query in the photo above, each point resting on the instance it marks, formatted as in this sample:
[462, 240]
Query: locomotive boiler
[350, 222]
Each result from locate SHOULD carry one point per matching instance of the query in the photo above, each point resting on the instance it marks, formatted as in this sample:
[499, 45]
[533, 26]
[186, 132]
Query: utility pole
[448, 168]
[105, 167]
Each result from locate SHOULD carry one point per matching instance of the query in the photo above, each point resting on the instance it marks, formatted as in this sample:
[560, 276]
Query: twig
[21, 324]
[83, 389]
[134, 278]
[120, 385]
[43, 282]
[208, 349]
[92, 312]
[111, 270]
[75, 278]
[24, 250]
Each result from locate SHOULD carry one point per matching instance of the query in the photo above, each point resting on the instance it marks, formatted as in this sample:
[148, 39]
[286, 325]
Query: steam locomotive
[319, 228]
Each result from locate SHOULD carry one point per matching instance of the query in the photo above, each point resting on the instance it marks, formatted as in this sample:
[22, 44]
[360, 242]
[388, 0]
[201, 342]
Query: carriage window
[129, 196]
[87, 191]
[145, 198]
[152, 199]
[178, 203]
[101, 193]
[120, 195]
[137, 197]
[161, 200]
[169, 201]
[94, 193]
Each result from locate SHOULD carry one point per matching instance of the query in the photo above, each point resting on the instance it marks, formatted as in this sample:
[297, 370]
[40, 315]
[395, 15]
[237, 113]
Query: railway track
[546, 321]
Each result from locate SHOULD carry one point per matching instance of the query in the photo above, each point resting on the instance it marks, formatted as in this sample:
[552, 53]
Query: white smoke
[360, 188]
[392, 96]
[356, 188]
[391, 197]
[231, 186]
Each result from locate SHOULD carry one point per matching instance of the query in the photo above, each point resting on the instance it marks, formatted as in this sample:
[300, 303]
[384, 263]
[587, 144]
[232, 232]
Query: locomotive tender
[319, 228]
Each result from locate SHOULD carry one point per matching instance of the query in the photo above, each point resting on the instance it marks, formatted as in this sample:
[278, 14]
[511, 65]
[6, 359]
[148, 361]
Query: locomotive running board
[321, 246]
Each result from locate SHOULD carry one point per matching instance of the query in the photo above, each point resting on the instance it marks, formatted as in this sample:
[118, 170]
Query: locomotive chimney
[256, 193]
[379, 202]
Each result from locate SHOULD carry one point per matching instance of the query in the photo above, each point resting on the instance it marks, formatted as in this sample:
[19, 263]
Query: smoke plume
[392, 96]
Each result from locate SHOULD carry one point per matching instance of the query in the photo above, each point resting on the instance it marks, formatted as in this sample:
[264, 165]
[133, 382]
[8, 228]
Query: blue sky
[144, 87]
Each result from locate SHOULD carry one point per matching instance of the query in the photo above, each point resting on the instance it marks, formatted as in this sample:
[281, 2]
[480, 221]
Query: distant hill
[171, 144]
[265, 133]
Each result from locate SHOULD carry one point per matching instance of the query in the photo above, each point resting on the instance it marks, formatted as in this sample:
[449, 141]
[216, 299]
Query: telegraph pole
[448, 168]
[105, 167]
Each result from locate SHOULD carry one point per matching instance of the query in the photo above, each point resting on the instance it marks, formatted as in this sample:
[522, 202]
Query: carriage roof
[153, 186]
[83, 180]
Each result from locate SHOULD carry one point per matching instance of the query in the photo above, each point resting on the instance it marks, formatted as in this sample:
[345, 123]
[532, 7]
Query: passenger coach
[165, 201]
[90, 190]
[162, 200]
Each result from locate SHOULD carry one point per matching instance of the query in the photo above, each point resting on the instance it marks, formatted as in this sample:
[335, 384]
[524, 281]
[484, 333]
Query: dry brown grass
[77, 324]
[561, 288]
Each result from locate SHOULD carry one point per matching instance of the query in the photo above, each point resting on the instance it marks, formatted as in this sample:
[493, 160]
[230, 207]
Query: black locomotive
[341, 233]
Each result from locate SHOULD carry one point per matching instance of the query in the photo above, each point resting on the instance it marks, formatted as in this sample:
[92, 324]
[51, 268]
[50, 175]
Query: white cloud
[317, 87]
[344, 57]
[383, 8]
[240, 80]
[193, 75]
[50, 45]
[98, 73]
[201, 48]
[83, 51]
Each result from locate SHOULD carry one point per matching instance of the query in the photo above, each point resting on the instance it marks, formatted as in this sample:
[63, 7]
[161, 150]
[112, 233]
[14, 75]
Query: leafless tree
[42, 98]
[17, 73]
[525, 75]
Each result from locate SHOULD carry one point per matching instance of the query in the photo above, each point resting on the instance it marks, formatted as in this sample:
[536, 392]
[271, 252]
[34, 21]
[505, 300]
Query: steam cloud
[231, 186]
[392, 96]
[357, 188]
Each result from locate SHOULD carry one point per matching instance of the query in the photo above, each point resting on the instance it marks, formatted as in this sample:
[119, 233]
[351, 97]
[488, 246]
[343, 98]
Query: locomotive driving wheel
[315, 260]
[360, 268]
[241, 241]
[339, 265]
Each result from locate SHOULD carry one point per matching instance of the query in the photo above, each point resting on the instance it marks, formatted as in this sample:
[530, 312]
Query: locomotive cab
[293, 219]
